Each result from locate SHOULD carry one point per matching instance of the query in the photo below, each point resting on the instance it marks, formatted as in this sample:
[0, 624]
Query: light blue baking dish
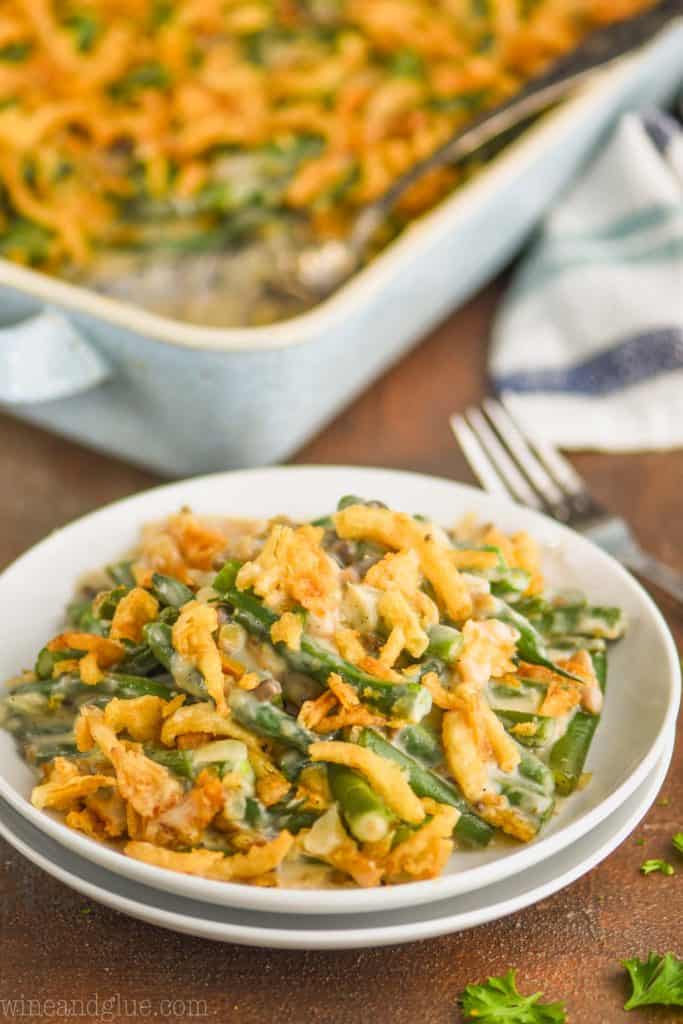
[183, 399]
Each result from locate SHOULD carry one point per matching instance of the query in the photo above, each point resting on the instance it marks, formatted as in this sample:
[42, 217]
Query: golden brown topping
[487, 651]
[193, 640]
[473, 738]
[425, 852]
[562, 694]
[520, 551]
[88, 669]
[184, 822]
[200, 718]
[288, 630]
[108, 652]
[399, 571]
[399, 531]
[349, 645]
[312, 712]
[383, 775]
[249, 681]
[65, 787]
[329, 841]
[443, 698]
[134, 610]
[212, 863]
[345, 694]
[293, 568]
[140, 717]
[198, 543]
[88, 823]
[148, 786]
[397, 613]
[272, 788]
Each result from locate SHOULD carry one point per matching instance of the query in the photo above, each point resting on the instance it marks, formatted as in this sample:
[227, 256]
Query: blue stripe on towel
[637, 359]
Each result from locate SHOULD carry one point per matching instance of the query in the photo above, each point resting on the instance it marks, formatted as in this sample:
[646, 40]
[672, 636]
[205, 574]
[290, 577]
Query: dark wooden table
[55, 946]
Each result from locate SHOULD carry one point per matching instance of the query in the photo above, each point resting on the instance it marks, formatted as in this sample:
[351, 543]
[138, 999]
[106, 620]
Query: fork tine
[477, 458]
[559, 468]
[502, 462]
[522, 453]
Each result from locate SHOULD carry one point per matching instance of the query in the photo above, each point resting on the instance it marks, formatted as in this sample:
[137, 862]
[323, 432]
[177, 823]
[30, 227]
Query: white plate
[641, 706]
[247, 928]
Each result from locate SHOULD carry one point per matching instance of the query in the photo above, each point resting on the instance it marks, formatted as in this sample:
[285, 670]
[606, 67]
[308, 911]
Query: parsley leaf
[648, 866]
[499, 1002]
[656, 981]
[678, 841]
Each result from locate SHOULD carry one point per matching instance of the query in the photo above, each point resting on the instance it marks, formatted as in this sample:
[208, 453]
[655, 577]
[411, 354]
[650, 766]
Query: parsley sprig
[656, 981]
[499, 1002]
[648, 866]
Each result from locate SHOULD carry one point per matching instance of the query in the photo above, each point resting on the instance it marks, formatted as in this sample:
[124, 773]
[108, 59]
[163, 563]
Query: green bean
[530, 645]
[118, 684]
[159, 637]
[326, 522]
[531, 606]
[470, 829]
[140, 660]
[531, 791]
[504, 580]
[177, 761]
[568, 755]
[85, 29]
[169, 615]
[107, 601]
[32, 713]
[171, 592]
[408, 701]
[510, 582]
[294, 817]
[402, 832]
[220, 755]
[146, 76]
[255, 814]
[40, 753]
[349, 499]
[265, 719]
[122, 573]
[46, 661]
[544, 726]
[366, 815]
[291, 763]
[534, 770]
[422, 743]
[445, 643]
[577, 643]
[80, 615]
[500, 689]
[15, 52]
[533, 805]
[114, 684]
[582, 619]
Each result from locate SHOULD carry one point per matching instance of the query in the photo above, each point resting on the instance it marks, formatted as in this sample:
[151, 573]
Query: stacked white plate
[628, 760]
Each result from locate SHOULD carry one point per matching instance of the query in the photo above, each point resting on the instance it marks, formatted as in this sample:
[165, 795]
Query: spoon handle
[595, 52]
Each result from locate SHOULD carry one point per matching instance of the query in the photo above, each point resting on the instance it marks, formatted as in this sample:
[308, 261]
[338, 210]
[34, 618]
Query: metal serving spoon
[321, 268]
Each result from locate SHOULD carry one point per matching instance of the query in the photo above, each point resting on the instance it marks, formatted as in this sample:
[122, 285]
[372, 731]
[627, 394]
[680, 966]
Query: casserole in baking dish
[182, 398]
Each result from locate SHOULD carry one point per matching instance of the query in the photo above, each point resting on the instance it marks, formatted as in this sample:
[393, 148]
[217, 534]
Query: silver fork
[535, 474]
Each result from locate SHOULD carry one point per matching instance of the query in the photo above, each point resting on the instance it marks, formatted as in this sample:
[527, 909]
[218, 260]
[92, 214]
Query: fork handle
[654, 571]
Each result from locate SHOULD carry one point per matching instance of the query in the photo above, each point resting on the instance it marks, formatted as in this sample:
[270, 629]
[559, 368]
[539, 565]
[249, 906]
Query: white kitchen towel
[588, 345]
